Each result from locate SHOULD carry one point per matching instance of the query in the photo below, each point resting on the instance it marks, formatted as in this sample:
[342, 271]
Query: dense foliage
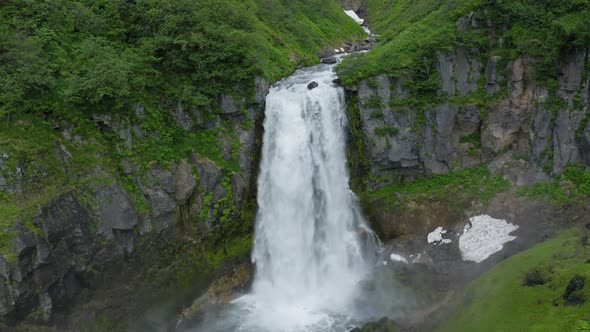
[56, 55]
[64, 61]
[411, 32]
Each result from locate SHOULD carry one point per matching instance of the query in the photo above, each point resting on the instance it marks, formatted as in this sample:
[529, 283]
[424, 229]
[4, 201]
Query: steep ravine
[153, 233]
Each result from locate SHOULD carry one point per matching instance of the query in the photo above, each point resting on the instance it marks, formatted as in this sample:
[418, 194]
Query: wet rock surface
[329, 60]
[221, 292]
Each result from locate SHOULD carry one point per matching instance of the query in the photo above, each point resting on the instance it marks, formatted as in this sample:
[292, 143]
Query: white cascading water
[312, 247]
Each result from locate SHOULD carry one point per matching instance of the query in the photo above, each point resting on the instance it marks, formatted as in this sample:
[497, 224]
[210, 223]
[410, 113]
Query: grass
[471, 183]
[413, 32]
[572, 186]
[498, 301]
[387, 131]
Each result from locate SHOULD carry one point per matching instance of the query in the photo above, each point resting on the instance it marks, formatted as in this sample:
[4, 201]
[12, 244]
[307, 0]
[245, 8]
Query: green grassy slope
[498, 300]
[469, 184]
[411, 32]
[59, 54]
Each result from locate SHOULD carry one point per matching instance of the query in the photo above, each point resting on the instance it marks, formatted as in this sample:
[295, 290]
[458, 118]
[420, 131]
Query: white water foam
[312, 247]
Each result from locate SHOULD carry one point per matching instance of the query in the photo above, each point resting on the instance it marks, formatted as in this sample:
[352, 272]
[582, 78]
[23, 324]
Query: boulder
[575, 284]
[209, 173]
[533, 278]
[116, 208]
[162, 208]
[329, 60]
[574, 300]
[159, 177]
[325, 52]
[312, 85]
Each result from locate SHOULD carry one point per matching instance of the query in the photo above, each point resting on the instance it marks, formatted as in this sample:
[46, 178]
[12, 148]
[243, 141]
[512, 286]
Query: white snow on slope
[437, 236]
[354, 16]
[484, 237]
[398, 258]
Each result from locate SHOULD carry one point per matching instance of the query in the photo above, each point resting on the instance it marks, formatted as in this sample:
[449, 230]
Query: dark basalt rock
[329, 60]
[587, 225]
[574, 300]
[575, 284]
[312, 85]
[533, 279]
[337, 81]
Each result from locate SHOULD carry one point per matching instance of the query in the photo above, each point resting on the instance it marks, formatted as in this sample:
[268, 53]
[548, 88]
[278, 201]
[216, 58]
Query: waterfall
[312, 247]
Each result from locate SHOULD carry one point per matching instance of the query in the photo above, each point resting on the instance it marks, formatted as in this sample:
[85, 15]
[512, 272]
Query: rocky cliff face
[492, 111]
[120, 225]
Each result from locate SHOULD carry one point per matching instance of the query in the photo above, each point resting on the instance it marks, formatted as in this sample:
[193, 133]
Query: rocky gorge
[83, 238]
[154, 203]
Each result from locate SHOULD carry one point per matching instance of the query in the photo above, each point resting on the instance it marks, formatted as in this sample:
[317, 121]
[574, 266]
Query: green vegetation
[572, 186]
[58, 55]
[452, 188]
[64, 61]
[498, 300]
[355, 152]
[412, 32]
[474, 139]
[374, 102]
[387, 131]
[61, 61]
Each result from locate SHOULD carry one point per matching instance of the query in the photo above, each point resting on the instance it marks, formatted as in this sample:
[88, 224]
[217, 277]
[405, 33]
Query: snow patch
[437, 236]
[354, 16]
[484, 237]
[398, 258]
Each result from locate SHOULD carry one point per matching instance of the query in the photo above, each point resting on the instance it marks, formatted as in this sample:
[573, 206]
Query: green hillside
[411, 32]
